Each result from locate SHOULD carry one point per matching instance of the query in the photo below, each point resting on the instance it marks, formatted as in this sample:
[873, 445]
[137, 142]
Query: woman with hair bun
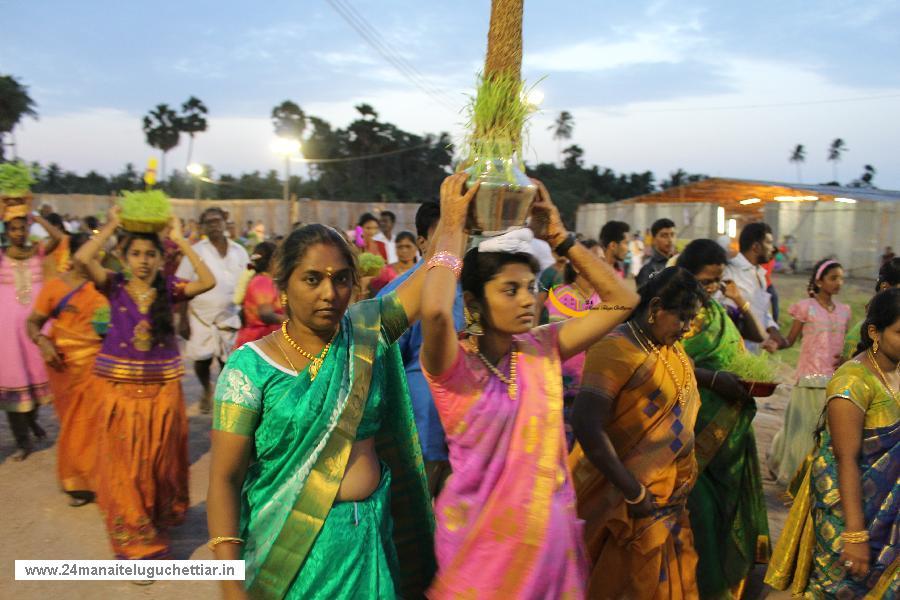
[822, 322]
[142, 471]
[506, 522]
[842, 537]
[634, 465]
[317, 480]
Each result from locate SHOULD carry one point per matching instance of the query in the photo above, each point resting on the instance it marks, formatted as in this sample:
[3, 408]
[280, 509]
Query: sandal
[80, 498]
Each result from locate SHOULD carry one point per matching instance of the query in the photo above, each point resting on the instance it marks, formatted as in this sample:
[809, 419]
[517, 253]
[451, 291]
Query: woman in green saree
[727, 507]
[317, 479]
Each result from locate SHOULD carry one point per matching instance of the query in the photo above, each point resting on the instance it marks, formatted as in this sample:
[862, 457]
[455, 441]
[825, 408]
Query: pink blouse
[823, 336]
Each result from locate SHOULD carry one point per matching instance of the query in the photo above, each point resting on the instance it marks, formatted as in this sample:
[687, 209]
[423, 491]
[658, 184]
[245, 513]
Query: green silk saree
[303, 432]
[727, 506]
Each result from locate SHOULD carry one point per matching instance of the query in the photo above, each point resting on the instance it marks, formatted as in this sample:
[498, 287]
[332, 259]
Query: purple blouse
[128, 353]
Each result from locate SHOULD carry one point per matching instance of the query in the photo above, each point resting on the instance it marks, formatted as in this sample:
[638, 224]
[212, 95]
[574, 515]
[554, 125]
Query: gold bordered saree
[304, 430]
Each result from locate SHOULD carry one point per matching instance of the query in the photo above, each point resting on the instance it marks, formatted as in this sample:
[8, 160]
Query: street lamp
[196, 170]
[286, 147]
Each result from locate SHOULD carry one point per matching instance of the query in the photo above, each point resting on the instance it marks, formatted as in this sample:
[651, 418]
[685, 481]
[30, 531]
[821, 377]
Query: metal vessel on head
[504, 199]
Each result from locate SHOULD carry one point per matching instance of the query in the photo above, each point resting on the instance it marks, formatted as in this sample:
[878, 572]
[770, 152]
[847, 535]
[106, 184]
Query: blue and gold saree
[807, 556]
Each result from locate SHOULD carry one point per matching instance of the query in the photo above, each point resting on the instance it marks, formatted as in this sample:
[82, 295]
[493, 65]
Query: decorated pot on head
[15, 190]
[504, 198]
[145, 212]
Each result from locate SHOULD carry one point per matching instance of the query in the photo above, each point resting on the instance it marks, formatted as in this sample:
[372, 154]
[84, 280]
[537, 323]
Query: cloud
[668, 43]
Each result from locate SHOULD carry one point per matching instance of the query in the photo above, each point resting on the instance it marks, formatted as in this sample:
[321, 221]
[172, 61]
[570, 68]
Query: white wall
[692, 219]
[854, 234]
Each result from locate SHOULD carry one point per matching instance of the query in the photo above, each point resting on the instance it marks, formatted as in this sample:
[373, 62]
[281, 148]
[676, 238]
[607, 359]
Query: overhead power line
[373, 38]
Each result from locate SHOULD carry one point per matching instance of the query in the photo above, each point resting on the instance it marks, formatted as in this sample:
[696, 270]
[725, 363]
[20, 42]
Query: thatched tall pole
[504, 50]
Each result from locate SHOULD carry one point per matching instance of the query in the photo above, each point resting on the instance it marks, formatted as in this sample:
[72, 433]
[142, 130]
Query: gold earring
[651, 319]
[473, 322]
[283, 299]
[874, 347]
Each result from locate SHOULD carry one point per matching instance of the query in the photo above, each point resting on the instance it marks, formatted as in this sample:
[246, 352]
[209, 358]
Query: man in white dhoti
[213, 317]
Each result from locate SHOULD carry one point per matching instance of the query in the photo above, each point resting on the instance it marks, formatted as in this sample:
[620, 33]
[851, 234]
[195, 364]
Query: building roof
[748, 196]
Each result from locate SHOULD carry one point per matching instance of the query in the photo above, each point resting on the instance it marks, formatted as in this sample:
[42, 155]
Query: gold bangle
[855, 537]
[640, 497]
[745, 306]
[213, 542]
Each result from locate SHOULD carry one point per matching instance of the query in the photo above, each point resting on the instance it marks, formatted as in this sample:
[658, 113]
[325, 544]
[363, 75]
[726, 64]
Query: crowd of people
[497, 417]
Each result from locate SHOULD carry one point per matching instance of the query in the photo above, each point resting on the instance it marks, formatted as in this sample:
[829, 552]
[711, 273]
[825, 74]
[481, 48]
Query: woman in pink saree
[506, 521]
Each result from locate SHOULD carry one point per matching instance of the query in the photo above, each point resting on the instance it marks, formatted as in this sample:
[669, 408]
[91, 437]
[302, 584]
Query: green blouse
[853, 381]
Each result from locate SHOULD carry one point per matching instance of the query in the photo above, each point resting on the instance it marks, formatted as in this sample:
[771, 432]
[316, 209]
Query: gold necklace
[512, 388]
[285, 355]
[143, 299]
[883, 378]
[315, 362]
[681, 392]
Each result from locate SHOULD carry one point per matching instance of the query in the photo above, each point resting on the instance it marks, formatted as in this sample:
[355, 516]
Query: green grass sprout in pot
[370, 264]
[146, 212]
[753, 367]
[497, 117]
[16, 179]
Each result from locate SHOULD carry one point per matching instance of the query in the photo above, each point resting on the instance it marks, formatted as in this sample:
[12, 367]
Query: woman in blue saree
[842, 537]
[317, 479]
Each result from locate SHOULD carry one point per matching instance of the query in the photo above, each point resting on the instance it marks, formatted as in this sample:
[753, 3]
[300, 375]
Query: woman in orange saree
[634, 465]
[78, 312]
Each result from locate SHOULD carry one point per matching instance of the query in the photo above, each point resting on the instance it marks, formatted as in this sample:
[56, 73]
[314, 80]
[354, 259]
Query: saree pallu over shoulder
[507, 527]
[727, 505]
[303, 437]
[807, 556]
[653, 436]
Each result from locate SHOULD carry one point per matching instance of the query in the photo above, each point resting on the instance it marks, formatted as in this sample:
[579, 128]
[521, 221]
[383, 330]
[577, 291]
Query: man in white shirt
[37, 232]
[386, 221]
[212, 316]
[757, 246]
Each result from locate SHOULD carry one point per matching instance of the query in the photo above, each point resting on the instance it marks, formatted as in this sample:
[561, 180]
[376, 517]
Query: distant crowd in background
[618, 415]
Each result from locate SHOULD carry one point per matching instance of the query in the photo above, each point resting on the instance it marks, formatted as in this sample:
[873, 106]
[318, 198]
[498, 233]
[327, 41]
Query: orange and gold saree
[73, 312]
[653, 435]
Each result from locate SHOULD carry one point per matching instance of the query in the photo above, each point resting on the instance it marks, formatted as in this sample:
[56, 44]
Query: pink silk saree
[507, 526]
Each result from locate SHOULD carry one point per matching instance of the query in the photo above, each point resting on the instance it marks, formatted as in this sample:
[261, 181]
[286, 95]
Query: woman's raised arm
[437, 286]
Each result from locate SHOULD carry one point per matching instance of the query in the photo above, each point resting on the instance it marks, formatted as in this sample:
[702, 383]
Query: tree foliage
[162, 128]
[15, 104]
[289, 120]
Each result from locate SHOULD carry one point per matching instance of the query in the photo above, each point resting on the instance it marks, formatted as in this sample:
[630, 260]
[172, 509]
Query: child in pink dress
[822, 323]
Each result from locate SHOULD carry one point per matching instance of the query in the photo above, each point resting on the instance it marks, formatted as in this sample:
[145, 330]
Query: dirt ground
[38, 523]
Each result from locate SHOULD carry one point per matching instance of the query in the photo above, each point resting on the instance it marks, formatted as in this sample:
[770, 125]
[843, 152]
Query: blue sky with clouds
[652, 85]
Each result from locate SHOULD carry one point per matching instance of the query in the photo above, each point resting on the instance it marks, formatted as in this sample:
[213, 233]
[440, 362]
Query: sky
[719, 87]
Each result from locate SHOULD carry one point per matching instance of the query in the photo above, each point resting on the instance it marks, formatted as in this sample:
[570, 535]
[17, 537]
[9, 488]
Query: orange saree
[72, 312]
[652, 433]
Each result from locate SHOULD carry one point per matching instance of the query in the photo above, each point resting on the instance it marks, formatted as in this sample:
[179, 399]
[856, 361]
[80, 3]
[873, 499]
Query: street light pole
[196, 170]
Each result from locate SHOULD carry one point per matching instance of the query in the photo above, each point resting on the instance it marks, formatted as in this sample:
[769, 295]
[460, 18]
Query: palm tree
[15, 103]
[289, 120]
[868, 175]
[562, 129]
[163, 130]
[193, 121]
[574, 160]
[798, 156]
[834, 154]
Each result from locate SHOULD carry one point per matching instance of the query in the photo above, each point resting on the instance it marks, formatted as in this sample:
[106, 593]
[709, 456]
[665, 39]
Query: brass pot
[504, 198]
